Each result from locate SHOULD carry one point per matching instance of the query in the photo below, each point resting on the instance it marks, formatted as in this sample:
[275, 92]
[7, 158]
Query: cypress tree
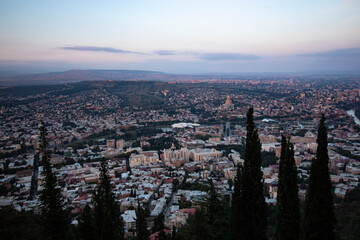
[34, 178]
[173, 233]
[216, 214]
[319, 219]
[236, 221]
[288, 211]
[158, 223]
[86, 224]
[254, 206]
[52, 204]
[142, 232]
[108, 220]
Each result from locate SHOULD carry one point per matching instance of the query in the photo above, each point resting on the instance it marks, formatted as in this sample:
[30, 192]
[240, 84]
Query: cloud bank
[337, 53]
[100, 49]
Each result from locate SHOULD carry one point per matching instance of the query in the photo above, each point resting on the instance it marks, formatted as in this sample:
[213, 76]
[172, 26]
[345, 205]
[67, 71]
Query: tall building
[198, 154]
[176, 157]
[227, 131]
[143, 159]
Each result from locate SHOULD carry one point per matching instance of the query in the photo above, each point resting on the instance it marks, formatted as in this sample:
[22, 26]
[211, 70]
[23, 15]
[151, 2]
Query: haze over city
[321, 36]
[178, 119]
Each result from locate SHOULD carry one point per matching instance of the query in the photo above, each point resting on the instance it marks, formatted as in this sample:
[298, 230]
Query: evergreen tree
[254, 206]
[34, 178]
[108, 220]
[319, 219]
[142, 232]
[173, 233]
[236, 231]
[162, 235]
[197, 229]
[158, 223]
[288, 211]
[215, 213]
[86, 224]
[52, 206]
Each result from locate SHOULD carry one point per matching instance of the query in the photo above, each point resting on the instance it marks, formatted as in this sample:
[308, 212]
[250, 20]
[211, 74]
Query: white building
[144, 158]
[198, 154]
[171, 156]
[129, 218]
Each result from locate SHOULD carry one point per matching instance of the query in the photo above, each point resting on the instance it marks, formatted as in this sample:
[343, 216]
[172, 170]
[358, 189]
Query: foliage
[55, 217]
[20, 225]
[86, 224]
[194, 186]
[108, 222]
[142, 232]
[288, 210]
[236, 232]
[319, 218]
[103, 133]
[34, 178]
[348, 216]
[210, 220]
[268, 158]
[253, 201]
[202, 137]
[158, 223]
[347, 153]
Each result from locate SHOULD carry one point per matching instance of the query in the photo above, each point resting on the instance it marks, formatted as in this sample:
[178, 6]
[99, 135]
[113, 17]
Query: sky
[181, 36]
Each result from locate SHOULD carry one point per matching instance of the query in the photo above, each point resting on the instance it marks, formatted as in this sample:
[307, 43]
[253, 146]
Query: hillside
[92, 75]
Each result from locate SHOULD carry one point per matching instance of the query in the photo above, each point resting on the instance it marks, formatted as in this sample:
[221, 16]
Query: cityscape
[249, 140]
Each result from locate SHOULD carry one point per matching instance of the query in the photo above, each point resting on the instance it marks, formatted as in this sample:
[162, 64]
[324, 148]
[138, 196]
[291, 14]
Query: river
[352, 113]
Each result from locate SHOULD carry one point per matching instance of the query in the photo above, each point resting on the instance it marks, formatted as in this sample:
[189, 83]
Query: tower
[227, 131]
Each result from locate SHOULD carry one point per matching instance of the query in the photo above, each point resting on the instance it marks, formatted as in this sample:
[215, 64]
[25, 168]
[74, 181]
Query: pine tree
[254, 206]
[319, 219]
[288, 211]
[142, 232]
[108, 220]
[236, 207]
[52, 206]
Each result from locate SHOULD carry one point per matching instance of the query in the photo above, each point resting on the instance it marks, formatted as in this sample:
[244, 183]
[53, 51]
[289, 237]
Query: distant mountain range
[14, 79]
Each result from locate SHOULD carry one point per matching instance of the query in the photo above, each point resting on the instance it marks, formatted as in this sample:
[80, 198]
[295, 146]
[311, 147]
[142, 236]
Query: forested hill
[132, 93]
[92, 75]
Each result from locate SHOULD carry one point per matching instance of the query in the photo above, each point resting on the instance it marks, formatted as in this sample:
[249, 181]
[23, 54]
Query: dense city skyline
[181, 36]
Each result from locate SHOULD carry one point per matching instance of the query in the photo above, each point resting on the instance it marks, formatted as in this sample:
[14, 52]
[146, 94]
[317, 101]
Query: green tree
[34, 178]
[230, 182]
[86, 224]
[236, 231]
[319, 218]
[52, 206]
[142, 232]
[108, 221]
[197, 229]
[173, 233]
[158, 223]
[175, 185]
[254, 206]
[162, 235]
[288, 210]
